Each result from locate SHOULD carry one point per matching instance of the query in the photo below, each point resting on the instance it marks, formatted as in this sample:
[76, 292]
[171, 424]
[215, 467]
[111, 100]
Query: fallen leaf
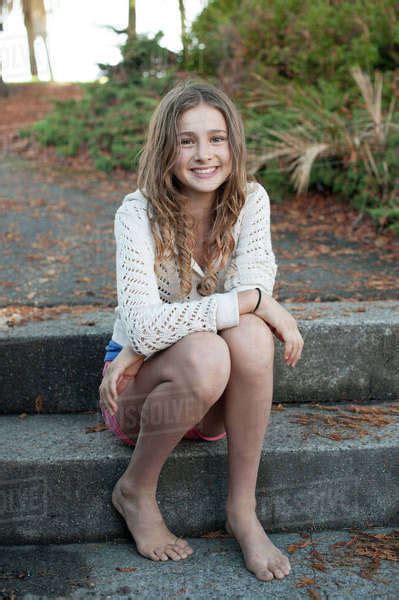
[315, 595]
[39, 400]
[319, 566]
[98, 427]
[219, 533]
[316, 554]
[294, 547]
[341, 544]
[304, 581]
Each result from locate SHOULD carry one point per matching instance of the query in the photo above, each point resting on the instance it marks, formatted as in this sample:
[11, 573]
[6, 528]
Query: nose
[203, 151]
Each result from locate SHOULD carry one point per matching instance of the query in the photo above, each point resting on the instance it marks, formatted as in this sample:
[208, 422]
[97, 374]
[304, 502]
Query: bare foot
[260, 554]
[144, 520]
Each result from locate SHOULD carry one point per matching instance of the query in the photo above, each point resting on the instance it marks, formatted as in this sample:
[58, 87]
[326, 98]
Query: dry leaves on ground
[219, 533]
[11, 316]
[97, 427]
[304, 582]
[299, 545]
[344, 425]
[363, 550]
[373, 546]
[314, 594]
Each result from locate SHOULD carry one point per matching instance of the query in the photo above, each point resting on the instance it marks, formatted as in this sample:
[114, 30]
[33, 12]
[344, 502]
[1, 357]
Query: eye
[185, 141]
[219, 138]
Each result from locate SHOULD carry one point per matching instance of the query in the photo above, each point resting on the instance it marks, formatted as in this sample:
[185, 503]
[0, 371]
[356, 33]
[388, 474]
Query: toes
[284, 565]
[183, 550]
[286, 569]
[183, 545]
[182, 555]
[152, 555]
[171, 552]
[279, 574]
[164, 556]
[265, 575]
[160, 552]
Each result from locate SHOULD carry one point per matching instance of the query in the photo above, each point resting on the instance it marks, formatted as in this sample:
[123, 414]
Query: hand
[284, 326]
[117, 376]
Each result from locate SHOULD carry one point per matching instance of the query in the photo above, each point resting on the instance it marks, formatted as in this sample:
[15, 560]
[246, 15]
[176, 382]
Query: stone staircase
[57, 475]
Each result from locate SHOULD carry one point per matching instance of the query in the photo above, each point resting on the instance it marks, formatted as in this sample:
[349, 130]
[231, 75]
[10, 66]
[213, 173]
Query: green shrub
[304, 40]
[111, 119]
[300, 94]
[110, 122]
[350, 150]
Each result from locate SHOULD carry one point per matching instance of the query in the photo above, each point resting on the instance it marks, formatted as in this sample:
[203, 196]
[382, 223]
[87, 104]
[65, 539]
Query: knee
[206, 365]
[251, 346]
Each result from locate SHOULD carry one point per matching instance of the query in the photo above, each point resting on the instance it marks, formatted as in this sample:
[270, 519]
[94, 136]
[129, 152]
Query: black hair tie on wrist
[259, 299]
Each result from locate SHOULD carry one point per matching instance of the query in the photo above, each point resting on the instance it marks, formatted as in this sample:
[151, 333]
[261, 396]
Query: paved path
[59, 246]
[214, 571]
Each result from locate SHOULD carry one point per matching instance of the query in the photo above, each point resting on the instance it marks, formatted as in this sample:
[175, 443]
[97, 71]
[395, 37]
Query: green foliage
[111, 119]
[303, 50]
[305, 40]
[109, 122]
[289, 122]
[386, 217]
[258, 123]
[142, 57]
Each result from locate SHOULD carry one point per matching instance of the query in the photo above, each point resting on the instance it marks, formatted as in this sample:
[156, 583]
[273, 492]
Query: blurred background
[317, 85]
[316, 82]
[89, 26]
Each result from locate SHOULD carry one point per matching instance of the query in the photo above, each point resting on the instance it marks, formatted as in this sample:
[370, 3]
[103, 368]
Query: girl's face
[204, 161]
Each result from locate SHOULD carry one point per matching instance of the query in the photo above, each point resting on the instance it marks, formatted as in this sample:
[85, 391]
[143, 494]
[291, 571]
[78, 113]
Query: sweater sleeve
[150, 323]
[253, 263]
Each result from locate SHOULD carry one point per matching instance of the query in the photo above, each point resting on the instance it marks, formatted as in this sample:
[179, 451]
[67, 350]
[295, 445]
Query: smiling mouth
[205, 171]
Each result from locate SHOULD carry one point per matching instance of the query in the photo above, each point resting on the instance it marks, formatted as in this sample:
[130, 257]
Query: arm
[253, 263]
[150, 323]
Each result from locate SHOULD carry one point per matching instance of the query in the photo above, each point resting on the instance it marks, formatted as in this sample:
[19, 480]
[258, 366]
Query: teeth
[205, 170]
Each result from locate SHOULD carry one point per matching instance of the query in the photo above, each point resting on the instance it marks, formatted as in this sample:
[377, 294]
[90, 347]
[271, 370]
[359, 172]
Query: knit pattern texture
[149, 315]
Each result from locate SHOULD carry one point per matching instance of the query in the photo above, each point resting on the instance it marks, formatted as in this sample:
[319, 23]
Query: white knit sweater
[149, 315]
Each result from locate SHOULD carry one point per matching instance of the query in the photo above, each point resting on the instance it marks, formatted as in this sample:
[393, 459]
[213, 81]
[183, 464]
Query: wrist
[133, 354]
[265, 303]
[247, 301]
[259, 300]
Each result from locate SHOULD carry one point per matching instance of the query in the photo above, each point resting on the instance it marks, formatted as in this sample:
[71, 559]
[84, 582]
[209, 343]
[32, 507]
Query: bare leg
[248, 399]
[187, 389]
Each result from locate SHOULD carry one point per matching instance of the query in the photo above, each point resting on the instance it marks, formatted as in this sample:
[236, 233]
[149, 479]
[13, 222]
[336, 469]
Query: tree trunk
[131, 28]
[3, 87]
[36, 25]
[4, 91]
[183, 30]
[28, 20]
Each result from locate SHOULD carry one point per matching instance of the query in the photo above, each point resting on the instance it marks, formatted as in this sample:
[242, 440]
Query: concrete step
[215, 570]
[56, 479]
[351, 352]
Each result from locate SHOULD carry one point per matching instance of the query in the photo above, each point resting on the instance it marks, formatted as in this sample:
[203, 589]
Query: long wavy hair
[171, 225]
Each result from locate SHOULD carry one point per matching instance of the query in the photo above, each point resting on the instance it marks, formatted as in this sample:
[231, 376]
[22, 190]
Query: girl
[192, 350]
